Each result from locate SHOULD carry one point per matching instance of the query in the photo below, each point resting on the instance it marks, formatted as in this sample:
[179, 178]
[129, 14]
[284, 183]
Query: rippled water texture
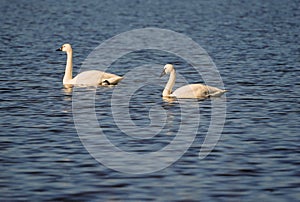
[255, 46]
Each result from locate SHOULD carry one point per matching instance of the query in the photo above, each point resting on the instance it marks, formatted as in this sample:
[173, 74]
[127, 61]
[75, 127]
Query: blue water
[255, 46]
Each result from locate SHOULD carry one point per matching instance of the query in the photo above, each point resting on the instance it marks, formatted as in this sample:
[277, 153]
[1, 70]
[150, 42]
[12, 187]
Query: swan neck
[168, 88]
[68, 70]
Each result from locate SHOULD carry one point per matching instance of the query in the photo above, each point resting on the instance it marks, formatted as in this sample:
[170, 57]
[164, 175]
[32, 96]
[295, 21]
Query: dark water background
[254, 44]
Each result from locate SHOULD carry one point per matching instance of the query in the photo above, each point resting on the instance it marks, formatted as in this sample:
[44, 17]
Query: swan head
[66, 48]
[167, 69]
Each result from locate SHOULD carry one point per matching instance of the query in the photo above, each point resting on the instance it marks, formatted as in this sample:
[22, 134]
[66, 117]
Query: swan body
[87, 78]
[188, 91]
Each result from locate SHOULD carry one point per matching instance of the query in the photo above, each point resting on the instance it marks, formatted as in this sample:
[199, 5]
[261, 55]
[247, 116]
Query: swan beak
[163, 73]
[60, 49]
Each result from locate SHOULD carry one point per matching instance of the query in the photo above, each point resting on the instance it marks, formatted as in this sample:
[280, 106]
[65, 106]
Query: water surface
[255, 46]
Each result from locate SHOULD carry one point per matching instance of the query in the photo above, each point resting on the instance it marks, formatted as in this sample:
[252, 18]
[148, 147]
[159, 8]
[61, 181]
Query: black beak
[163, 73]
[58, 49]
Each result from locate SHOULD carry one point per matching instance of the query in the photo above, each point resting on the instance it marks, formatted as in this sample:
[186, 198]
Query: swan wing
[94, 77]
[197, 91]
[191, 91]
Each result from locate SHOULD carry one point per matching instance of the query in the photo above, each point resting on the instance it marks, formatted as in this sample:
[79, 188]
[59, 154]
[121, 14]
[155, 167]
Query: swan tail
[113, 81]
[217, 93]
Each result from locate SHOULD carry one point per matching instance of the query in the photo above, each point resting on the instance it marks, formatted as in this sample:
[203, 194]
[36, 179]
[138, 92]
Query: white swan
[188, 91]
[87, 78]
